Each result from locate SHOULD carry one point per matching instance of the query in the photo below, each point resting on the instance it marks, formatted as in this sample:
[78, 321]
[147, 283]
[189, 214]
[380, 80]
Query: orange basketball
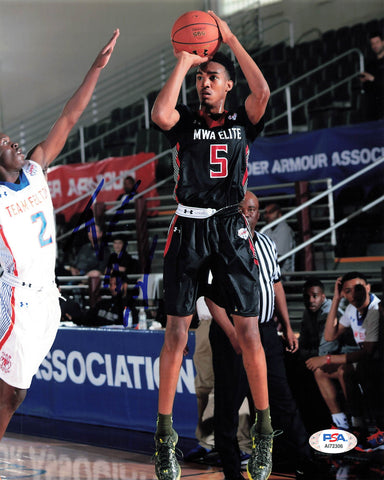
[196, 32]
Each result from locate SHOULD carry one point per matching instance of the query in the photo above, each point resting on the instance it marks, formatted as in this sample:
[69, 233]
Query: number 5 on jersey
[218, 160]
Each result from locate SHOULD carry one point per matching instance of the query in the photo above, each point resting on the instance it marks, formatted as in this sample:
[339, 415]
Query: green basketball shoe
[259, 466]
[166, 465]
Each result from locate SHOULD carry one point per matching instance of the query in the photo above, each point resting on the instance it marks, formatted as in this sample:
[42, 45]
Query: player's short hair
[352, 275]
[227, 63]
[313, 282]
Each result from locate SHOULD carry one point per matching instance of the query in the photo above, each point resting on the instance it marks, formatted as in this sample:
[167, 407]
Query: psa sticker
[333, 441]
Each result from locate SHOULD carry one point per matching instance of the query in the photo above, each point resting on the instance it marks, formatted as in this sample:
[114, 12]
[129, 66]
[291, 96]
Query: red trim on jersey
[10, 328]
[245, 177]
[178, 171]
[251, 245]
[211, 123]
[170, 233]
[15, 272]
[253, 252]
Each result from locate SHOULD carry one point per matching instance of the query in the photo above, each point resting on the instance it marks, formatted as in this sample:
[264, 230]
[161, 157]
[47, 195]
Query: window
[228, 7]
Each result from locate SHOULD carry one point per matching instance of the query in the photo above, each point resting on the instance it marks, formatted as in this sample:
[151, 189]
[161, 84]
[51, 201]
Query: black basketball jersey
[211, 157]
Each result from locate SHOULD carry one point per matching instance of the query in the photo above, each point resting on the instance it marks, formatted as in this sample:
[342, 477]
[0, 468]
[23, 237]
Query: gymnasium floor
[31, 457]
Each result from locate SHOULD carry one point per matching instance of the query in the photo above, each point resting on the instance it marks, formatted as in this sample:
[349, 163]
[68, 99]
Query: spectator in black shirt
[373, 79]
[120, 260]
[128, 186]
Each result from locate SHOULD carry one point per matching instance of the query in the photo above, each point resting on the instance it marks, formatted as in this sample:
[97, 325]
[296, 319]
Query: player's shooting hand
[193, 60]
[103, 57]
[225, 31]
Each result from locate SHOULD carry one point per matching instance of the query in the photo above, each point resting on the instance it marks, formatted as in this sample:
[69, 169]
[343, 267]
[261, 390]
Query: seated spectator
[312, 342]
[128, 186]
[70, 309]
[110, 311]
[373, 79]
[120, 260]
[283, 236]
[92, 258]
[353, 369]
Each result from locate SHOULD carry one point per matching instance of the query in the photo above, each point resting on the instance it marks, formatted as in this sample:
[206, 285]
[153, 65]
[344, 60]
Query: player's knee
[250, 340]
[319, 374]
[175, 340]
[18, 397]
[13, 397]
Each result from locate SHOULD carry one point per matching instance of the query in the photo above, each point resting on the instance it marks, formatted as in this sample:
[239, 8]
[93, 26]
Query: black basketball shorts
[221, 243]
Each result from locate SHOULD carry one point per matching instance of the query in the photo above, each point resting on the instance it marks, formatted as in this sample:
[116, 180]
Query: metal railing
[332, 228]
[288, 87]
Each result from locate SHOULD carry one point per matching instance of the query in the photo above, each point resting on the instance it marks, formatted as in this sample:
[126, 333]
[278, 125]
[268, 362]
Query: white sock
[340, 420]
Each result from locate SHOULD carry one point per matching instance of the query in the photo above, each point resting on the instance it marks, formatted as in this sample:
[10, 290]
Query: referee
[231, 386]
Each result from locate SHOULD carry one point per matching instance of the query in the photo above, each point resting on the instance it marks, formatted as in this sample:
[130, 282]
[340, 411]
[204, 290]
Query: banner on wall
[333, 153]
[69, 182]
[109, 377]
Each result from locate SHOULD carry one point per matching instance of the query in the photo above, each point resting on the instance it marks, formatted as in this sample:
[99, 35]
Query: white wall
[47, 46]
[318, 14]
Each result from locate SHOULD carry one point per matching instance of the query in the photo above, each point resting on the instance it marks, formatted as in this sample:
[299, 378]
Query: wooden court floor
[31, 457]
[27, 457]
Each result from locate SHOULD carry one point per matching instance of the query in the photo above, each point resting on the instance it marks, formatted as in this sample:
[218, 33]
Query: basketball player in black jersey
[208, 232]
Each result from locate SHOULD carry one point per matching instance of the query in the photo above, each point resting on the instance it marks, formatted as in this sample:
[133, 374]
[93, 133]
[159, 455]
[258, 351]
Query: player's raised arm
[256, 102]
[164, 113]
[45, 152]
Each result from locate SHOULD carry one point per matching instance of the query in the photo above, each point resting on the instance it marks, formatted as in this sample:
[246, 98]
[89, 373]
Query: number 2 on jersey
[40, 216]
[222, 162]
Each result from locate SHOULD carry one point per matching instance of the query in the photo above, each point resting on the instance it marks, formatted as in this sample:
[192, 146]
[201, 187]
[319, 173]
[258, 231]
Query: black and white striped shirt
[269, 274]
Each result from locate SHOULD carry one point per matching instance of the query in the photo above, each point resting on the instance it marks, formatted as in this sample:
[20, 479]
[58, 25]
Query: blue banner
[109, 377]
[329, 153]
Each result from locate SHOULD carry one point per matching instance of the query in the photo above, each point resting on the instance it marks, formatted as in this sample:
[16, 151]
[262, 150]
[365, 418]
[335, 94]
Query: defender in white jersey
[29, 299]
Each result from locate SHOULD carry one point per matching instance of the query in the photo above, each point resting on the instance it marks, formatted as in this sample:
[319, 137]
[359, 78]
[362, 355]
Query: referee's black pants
[231, 387]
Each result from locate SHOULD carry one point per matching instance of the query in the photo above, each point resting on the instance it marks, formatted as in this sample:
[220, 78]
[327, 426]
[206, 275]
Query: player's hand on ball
[194, 60]
[225, 31]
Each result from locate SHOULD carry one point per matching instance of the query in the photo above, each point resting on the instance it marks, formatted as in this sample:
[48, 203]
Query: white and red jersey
[27, 229]
[365, 328]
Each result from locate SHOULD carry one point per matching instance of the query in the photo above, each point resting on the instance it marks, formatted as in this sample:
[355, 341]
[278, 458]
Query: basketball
[196, 32]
